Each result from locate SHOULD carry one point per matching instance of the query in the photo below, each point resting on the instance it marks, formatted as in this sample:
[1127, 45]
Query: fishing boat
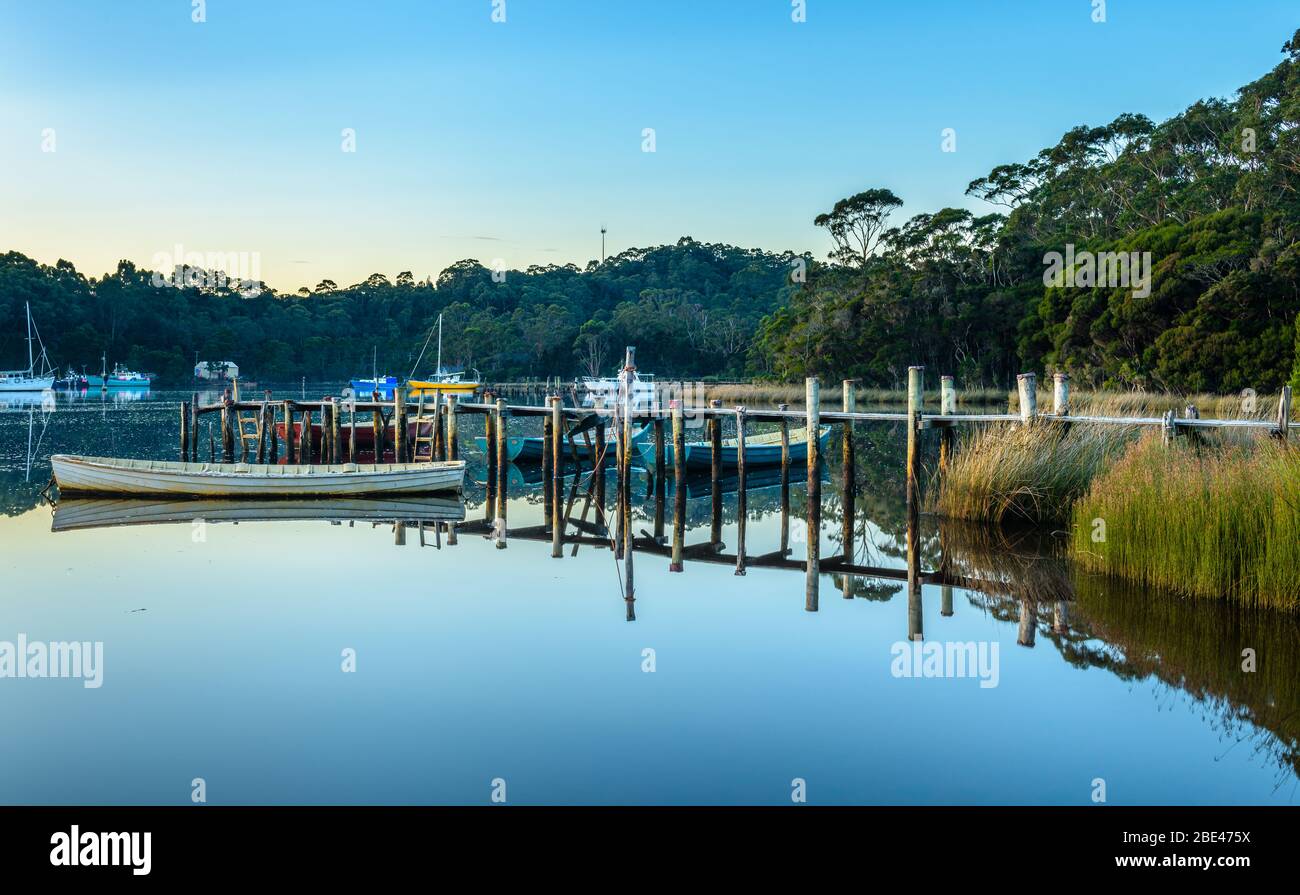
[32, 379]
[364, 389]
[77, 513]
[760, 450]
[112, 475]
[121, 377]
[442, 380]
[607, 392]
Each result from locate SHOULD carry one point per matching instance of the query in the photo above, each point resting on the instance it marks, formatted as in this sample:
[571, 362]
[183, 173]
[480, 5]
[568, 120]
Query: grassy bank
[1026, 473]
[1218, 522]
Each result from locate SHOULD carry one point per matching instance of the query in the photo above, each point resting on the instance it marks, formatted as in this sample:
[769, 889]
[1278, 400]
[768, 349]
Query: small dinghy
[110, 475]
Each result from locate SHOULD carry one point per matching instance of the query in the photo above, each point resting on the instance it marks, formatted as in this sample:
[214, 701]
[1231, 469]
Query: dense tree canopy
[691, 308]
[1211, 194]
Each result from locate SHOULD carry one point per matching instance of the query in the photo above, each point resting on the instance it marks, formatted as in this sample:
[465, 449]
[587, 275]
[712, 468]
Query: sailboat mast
[31, 364]
[439, 370]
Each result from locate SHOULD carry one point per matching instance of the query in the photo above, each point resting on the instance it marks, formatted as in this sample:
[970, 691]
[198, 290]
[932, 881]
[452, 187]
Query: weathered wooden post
[1061, 394]
[1168, 428]
[1027, 631]
[785, 481]
[185, 431]
[629, 371]
[305, 451]
[915, 403]
[945, 601]
[661, 485]
[438, 450]
[947, 407]
[268, 424]
[557, 478]
[261, 433]
[679, 486]
[352, 430]
[194, 427]
[1284, 413]
[327, 431]
[380, 433]
[490, 437]
[715, 471]
[742, 506]
[1027, 384]
[548, 439]
[502, 473]
[399, 425]
[599, 466]
[813, 399]
[227, 430]
[1190, 412]
[453, 436]
[286, 410]
[234, 388]
[848, 480]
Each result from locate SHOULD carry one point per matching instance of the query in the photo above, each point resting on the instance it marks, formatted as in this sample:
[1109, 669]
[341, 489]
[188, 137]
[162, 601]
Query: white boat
[112, 475]
[598, 392]
[29, 380]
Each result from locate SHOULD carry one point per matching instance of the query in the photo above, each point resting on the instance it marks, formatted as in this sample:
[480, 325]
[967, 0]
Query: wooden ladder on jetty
[431, 437]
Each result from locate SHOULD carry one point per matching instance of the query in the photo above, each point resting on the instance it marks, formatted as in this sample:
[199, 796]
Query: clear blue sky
[517, 140]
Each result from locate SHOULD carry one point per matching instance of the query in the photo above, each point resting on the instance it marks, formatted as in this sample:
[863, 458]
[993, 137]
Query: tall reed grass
[1216, 522]
[1026, 473]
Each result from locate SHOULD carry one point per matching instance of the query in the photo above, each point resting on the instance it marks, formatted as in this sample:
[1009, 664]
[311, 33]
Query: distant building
[226, 369]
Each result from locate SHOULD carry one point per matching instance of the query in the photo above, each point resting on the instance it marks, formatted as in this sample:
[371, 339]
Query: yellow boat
[443, 380]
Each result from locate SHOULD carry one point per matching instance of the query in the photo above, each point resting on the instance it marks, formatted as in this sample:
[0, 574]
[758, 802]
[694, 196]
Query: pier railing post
[1284, 413]
[502, 474]
[1061, 394]
[556, 484]
[915, 404]
[227, 430]
[453, 436]
[947, 407]
[194, 427]
[715, 472]
[742, 505]
[679, 485]
[812, 397]
[185, 431]
[399, 424]
[847, 479]
[1027, 384]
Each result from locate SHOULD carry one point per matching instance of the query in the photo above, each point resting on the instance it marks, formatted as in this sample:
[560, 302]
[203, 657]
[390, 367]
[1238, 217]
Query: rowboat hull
[107, 475]
[524, 448]
[78, 513]
[760, 450]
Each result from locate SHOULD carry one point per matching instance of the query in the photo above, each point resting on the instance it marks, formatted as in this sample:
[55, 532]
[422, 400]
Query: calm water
[222, 652]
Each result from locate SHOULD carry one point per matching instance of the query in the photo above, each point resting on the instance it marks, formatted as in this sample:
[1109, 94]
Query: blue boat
[385, 385]
[760, 450]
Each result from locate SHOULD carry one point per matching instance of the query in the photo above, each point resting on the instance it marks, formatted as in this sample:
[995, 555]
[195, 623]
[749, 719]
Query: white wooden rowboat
[110, 475]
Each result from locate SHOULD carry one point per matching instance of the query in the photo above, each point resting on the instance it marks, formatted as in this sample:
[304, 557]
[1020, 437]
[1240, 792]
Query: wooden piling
[1061, 394]
[352, 430]
[848, 482]
[1027, 384]
[227, 430]
[548, 492]
[812, 398]
[286, 411]
[599, 469]
[785, 482]
[679, 486]
[326, 429]
[557, 478]
[399, 425]
[453, 437]
[305, 454]
[194, 427]
[661, 484]
[379, 430]
[268, 415]
[715, 472]
[742, 507]
[490, 437]
[185, 431]
[625, 524]
[502, 473]
[1284, 413]
[915, 404]
[261, 433]
[947, 407]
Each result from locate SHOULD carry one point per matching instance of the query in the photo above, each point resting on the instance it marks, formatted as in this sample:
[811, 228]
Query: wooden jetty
[331, 431]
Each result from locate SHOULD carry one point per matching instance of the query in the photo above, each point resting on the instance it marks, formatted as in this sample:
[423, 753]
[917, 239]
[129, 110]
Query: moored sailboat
[32, 379]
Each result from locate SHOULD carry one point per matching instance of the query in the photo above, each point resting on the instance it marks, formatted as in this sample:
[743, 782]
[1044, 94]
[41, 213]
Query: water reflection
[1021, 581]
